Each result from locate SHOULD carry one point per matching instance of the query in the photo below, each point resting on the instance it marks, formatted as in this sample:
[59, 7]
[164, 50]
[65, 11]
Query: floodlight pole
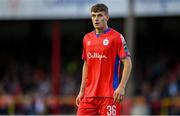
[129, 35]
[56, 63]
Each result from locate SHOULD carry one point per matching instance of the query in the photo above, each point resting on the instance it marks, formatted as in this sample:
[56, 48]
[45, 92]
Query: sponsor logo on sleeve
[124, 44]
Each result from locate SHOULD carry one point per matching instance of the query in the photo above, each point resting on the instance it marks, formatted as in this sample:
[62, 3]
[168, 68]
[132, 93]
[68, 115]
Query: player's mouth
[96, 23]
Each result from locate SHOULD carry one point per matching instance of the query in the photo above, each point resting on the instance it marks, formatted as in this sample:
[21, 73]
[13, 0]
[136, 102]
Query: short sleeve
[84, 49]
[123, 50]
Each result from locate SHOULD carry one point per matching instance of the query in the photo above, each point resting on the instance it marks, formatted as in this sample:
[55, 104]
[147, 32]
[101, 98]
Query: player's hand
[119, 94]
[79, 98]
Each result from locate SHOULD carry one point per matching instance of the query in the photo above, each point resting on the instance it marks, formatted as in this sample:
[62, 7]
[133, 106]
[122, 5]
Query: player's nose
[96, 20]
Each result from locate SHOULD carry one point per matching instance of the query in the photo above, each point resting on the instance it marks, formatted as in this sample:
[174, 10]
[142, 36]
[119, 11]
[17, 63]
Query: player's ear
[107, 17]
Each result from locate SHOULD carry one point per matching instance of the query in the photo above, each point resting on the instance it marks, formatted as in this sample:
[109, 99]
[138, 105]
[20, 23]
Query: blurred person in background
[104, 49]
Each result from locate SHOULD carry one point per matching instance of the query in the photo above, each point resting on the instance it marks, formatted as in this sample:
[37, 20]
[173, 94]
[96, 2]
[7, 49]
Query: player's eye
[93, 16]
[100, 15]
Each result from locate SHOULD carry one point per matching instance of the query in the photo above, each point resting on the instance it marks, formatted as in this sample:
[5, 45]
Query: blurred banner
[65, 9]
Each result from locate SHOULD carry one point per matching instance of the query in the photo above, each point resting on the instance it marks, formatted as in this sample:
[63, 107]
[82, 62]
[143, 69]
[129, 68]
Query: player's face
[99, 19]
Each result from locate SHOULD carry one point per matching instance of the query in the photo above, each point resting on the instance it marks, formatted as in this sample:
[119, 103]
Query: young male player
[103, 51]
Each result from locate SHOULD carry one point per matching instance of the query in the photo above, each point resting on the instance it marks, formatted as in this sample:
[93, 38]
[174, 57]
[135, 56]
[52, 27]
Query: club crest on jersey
[105, 42]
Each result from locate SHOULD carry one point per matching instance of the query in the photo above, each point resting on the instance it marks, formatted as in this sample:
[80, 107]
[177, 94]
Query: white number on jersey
[111, 110]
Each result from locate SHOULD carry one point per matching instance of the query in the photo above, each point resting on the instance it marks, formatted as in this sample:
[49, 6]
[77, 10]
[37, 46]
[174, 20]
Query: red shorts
[98, 106]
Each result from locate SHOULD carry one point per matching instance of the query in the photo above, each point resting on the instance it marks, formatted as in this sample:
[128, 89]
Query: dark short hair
[99, 8]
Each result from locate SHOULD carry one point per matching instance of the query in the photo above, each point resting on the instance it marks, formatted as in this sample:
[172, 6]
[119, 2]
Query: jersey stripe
[116, 78]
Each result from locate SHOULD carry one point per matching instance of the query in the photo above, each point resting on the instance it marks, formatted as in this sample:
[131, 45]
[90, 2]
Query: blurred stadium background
[41, 47]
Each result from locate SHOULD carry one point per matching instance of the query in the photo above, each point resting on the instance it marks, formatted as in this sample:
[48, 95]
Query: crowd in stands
[26, 89]
[157, 80]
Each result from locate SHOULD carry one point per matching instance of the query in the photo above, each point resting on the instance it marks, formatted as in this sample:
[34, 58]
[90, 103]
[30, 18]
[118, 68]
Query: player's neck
[100, 31]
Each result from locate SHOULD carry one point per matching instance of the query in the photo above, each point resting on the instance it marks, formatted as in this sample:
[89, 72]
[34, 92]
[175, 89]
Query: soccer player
[103, 51]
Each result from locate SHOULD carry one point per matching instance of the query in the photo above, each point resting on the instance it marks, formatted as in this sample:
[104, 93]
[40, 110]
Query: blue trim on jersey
[116, 78]
[105, 31]
[97, 35]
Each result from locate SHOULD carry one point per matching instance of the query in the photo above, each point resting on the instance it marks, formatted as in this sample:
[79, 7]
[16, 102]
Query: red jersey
[102, 54]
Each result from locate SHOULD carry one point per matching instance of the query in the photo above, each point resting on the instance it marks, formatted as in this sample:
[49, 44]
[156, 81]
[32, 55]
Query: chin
[97, 27]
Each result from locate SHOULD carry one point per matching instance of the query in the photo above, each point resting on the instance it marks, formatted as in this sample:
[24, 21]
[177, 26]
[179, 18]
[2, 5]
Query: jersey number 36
[111, 110]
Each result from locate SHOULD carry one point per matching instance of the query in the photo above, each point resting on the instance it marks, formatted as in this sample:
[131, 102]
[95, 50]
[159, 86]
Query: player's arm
[120, 91]
[83, 82]
[126, 71]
